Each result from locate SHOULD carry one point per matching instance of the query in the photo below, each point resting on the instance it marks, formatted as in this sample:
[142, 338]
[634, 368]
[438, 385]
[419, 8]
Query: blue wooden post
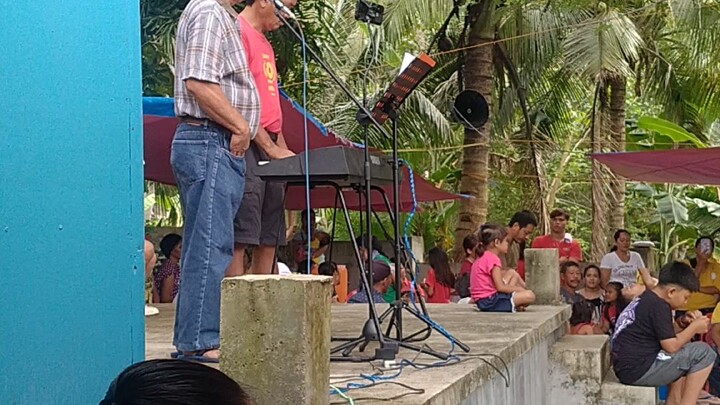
[71, 212]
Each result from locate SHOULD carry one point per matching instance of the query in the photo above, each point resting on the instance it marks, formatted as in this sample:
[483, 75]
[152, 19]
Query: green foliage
[671, 134]
[552, 55]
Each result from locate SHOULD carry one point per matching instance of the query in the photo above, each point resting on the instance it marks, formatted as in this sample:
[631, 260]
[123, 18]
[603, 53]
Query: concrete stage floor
[506, 335]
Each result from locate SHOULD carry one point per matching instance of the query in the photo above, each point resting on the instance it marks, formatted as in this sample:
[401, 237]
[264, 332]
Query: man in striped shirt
[217, 103]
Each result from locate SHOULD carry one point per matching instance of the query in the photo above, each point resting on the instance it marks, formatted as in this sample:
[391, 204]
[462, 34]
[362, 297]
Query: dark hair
[168, 243]
[323, 238]
[488, 234]
[327, 268]
[470, 242]
[376, 246]
[523, 219]
[679, 274]
[304, 213]
[620, 302]
[249, 2]
[565, 266]
[592, 266]
[557, 212]
[700, 239]
[582, 311]
[441, 264]
[174, 382]
[616, 236]
[694, 260]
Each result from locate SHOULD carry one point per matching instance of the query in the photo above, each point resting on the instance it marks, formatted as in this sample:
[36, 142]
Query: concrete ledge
[509, 336]
[613, 392]
[583, 357]
[522, 340]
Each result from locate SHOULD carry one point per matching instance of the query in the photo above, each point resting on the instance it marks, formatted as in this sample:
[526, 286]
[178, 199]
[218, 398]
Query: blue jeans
[211, 183]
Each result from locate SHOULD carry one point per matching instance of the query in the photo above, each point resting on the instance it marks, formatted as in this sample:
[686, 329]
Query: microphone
[283, 9]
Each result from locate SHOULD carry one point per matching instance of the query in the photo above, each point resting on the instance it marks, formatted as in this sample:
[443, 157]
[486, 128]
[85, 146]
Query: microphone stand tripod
[371, 330]
[392, 109]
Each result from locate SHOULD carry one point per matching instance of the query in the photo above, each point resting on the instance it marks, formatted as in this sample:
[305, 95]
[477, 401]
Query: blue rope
[307, 153]
[406, 242]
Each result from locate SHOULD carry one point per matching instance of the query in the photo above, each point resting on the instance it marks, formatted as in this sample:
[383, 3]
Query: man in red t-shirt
[568, 249]
[260, 222]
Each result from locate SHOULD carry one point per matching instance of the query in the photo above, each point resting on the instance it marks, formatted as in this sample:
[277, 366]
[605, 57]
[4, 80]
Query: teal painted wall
[71, 212]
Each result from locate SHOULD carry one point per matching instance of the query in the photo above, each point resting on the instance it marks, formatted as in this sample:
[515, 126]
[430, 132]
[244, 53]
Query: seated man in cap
[381, 280]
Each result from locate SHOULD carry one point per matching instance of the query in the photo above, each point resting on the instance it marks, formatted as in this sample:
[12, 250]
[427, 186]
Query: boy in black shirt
[645, 348]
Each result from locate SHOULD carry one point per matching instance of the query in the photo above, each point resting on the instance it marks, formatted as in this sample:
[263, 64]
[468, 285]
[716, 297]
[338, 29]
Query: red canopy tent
[159, 127]
[684, 166]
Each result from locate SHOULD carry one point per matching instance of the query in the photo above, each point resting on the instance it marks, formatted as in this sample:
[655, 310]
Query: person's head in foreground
[677, 281]
[522, 225]
[174, 382]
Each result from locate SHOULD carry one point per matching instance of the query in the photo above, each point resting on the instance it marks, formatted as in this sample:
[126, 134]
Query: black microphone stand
[371, 330]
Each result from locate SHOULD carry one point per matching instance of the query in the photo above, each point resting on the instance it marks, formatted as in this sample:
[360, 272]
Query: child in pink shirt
[492, 288]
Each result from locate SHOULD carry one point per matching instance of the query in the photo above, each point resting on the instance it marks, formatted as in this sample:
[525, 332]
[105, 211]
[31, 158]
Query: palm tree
[478, 75]
[650, 43]
[512, 57]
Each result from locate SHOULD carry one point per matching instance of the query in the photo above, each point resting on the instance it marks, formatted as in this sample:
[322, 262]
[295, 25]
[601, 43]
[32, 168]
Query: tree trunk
[600, 176]
[478, 75]
[617, 144]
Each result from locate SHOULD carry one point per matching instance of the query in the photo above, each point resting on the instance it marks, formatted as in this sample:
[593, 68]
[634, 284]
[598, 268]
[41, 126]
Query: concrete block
[578, 365]
[613, 392]
[275, 337]
[542, 275]
[586, 357]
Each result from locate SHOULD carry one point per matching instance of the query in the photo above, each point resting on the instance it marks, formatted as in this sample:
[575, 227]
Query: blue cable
[307, 152]
[406, 242]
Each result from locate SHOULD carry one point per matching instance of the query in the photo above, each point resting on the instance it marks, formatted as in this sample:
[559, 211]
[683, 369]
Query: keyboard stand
[371, 330]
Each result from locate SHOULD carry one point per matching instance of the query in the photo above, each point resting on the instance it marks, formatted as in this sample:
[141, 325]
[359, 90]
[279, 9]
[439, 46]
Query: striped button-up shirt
[209, 49]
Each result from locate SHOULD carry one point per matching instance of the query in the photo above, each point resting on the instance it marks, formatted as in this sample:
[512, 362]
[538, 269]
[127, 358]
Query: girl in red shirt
[613, 305]
[439, 282]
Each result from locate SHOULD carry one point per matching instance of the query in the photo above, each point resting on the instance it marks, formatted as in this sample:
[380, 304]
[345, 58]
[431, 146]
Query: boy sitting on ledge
[646, 351]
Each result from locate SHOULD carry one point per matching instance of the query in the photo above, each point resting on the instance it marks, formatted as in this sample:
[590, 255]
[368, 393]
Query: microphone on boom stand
[283, 9]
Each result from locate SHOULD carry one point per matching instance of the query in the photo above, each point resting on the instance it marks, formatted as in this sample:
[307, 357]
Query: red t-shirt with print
[261, 60]
[565, 248]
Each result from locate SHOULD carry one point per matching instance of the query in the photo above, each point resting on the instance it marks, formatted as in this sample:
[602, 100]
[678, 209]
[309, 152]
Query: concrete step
[612, 392]
[582, 357]
[578, 365]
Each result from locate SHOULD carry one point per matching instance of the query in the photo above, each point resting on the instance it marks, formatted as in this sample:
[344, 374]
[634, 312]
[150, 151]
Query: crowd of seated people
[618, 297]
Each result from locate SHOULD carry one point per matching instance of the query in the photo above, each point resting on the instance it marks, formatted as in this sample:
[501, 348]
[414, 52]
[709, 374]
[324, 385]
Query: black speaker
[471, 109]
